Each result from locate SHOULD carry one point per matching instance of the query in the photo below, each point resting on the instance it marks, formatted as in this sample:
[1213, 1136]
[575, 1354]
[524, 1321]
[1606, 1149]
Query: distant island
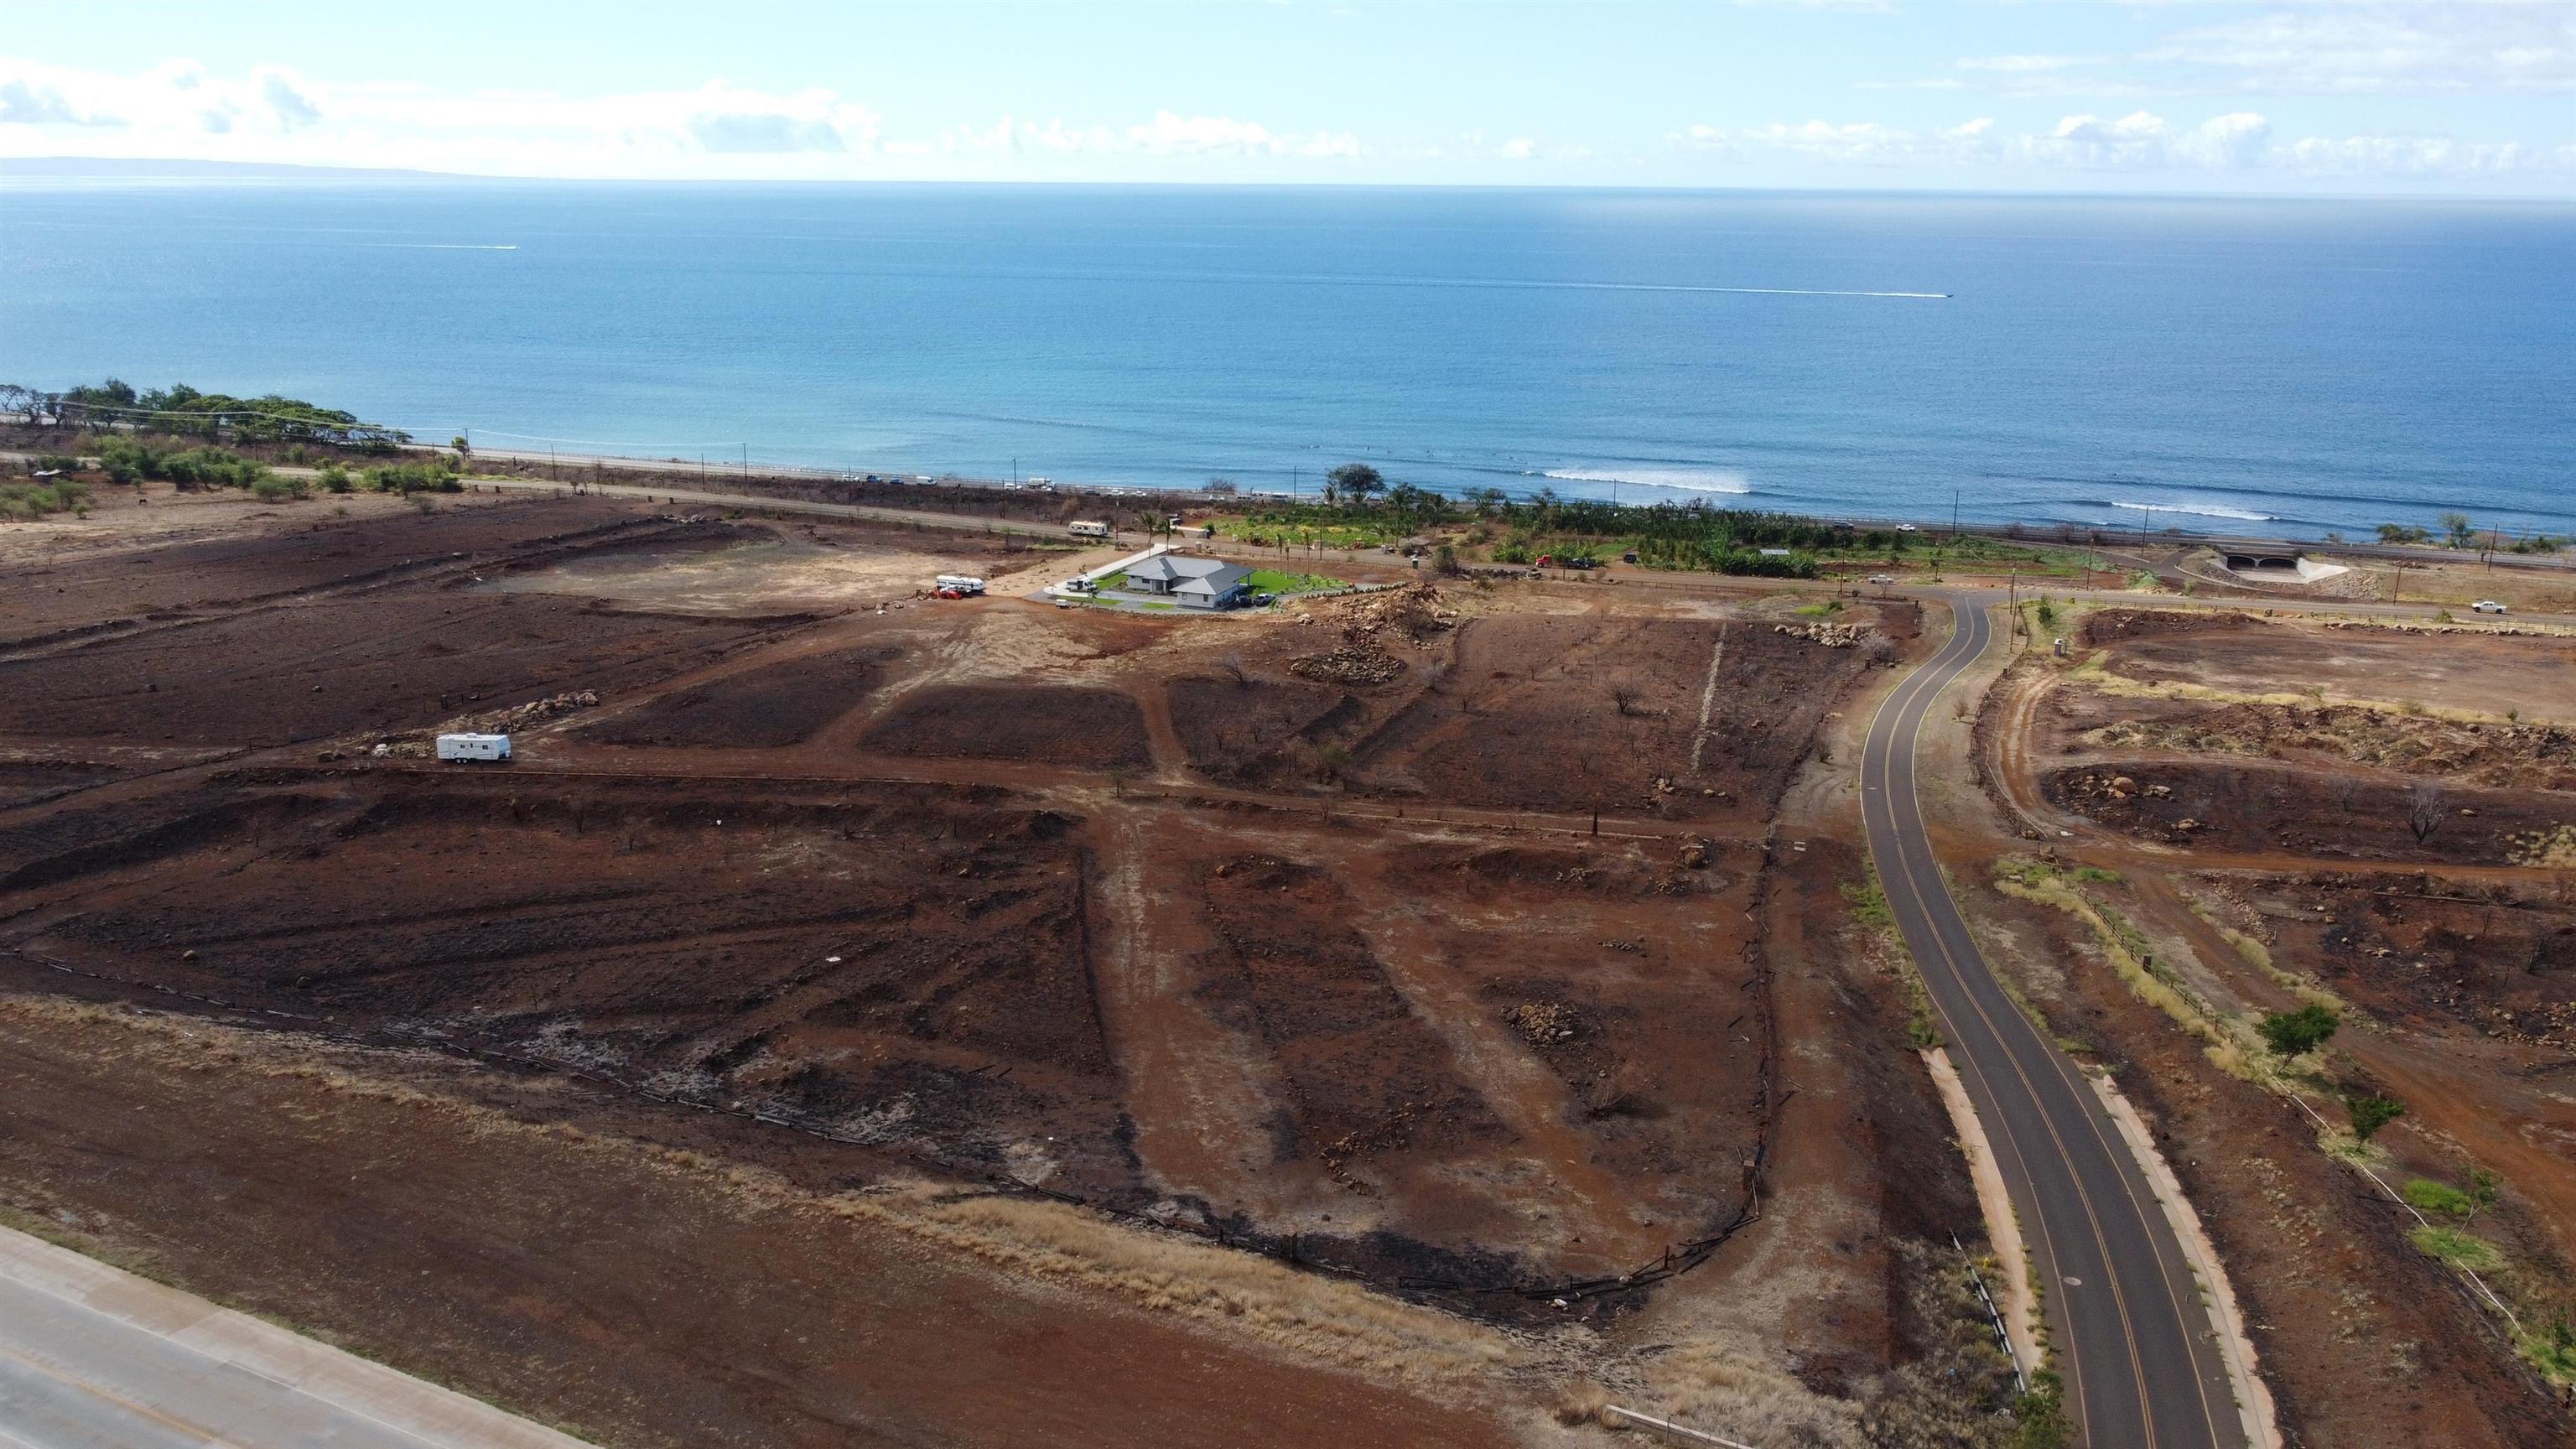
[125, 168]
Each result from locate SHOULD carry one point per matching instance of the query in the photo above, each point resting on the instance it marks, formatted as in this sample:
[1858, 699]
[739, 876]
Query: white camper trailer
[958, 586]
[1083, 529]
[474, 747]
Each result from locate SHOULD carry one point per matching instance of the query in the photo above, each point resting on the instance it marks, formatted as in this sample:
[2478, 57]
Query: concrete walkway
[92, 1357]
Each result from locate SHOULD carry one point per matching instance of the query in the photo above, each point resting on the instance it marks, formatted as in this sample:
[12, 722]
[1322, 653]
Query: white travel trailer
[959, 586]
[474, 747]
[1082, 529]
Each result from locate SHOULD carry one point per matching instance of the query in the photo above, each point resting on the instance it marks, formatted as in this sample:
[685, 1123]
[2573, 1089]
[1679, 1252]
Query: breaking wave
[1688, 480]
[2202, 510]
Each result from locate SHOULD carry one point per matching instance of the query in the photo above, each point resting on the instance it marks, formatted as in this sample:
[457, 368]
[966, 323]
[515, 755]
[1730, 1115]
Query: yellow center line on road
[1969, 639]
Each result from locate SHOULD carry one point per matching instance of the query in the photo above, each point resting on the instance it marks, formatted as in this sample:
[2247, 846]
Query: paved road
[94, 1358]
[2126, 1316]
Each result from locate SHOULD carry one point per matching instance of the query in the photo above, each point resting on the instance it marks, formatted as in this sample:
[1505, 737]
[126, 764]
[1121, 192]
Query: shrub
[2370, 1113]
[2428, 1196]
[273, 490]
[334, 479]
[2039, 1416]
[2296, 1033]
[410, 478]
[21, 502]
[56, 463]
[2459, 1249]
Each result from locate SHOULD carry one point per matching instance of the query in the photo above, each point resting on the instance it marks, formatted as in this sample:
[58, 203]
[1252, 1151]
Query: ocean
[2284, 367]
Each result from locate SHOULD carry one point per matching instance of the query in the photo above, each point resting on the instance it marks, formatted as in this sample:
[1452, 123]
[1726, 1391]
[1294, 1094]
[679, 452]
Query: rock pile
[1348, 665]
[1544, 1023]
[521, 716]
[1827, 633]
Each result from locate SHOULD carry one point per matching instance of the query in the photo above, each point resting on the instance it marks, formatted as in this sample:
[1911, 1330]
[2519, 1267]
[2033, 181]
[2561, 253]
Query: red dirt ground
[1096, 728]
[1456, 1061]
[2248, 808]
[298, 554]
[2363, 1339]
[628, 1296]
[324, 670]
[495, 915]
[760, 708]
[1233, 731]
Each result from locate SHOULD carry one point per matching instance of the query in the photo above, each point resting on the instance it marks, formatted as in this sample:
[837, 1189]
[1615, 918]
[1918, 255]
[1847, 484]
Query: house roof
[1172, 568]
[1222, 579]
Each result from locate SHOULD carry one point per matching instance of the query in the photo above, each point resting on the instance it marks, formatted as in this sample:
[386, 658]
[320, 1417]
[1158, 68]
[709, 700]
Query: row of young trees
[128, 461]
[184, 412]
[1692, 535]
[2458, 532]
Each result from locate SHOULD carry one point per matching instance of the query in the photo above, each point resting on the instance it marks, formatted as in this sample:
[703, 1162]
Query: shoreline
[744, 476]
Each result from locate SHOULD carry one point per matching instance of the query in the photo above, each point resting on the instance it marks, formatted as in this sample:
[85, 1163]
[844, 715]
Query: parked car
[2488, 606]
[1906, 528]
[1882, 578]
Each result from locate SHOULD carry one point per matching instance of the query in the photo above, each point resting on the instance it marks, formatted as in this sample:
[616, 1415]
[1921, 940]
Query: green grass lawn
[1112, 581]
[1276, 581]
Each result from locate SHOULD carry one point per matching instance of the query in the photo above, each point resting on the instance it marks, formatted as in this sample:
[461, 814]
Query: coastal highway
[95, 1358]
[2132, 1335]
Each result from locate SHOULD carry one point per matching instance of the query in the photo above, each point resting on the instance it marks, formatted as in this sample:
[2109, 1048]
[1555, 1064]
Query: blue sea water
[2272, 366]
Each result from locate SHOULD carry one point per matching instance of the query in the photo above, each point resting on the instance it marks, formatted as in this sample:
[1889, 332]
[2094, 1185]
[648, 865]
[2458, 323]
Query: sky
[2046, 95]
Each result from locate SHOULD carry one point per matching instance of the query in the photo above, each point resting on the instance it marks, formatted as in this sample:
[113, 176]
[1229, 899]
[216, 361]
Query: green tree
[2456, 531]
[2296, 1033]
[2370, 1113]
[2039, 1416]
[1355, 481]
[2485, 1190]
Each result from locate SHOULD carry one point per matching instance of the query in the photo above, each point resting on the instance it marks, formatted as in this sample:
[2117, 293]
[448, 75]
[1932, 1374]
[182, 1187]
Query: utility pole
[746, 461]
[1954, 515]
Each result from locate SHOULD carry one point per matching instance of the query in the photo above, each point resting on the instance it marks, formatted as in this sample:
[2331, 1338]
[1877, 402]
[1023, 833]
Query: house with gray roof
[1192, 583]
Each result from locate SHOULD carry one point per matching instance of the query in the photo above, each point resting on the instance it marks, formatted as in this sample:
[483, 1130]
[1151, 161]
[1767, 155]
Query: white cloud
[286, 97]
[1172, 135]
[2235, 140]
[272, 113]
[727, 120]
[1519, 148]
[32, 100]
[2024, 64]
[2134, 139]
[2240, 142]
[2386, 49]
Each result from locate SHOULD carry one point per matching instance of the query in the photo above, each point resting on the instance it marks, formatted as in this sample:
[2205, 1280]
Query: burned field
[2246, 816]
[766, 706]
[1136, 914]
[1098, 728]
[1680, 718]
[2496, 959]
[864, 963]
[2245, 735]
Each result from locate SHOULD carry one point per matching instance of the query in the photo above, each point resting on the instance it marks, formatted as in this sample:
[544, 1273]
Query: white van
[495, 748]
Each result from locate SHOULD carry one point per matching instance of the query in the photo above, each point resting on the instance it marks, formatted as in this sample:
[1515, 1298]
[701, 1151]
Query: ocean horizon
[2287, 367]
